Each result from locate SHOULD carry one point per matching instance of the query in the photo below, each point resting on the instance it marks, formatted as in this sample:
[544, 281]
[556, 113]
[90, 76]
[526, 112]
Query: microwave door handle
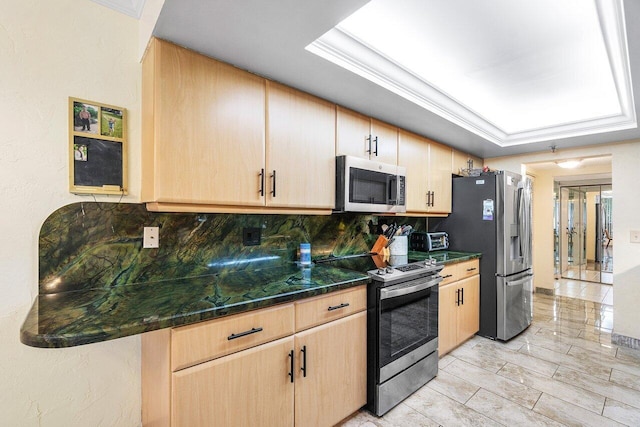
[392, 190]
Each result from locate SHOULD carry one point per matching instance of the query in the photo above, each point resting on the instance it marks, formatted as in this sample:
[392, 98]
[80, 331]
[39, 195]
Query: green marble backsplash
[99, 245]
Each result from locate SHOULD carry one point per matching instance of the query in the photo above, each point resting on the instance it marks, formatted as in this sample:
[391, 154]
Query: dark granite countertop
[73, 318]
[443, 257]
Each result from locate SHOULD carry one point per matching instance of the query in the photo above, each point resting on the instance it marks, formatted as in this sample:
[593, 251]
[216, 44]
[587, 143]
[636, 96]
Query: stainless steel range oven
[402, 316]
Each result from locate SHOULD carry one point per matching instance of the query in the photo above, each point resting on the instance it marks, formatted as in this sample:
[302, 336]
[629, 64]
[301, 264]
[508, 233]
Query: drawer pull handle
[291, 361]
[244, 334]
[447, 276]
[336, 307]
[471, 269]
[303, 368]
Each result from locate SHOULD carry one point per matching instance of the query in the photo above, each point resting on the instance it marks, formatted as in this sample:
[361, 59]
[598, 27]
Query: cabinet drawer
[449, 273]
[468, 269]
[198, 343]
[325, 308]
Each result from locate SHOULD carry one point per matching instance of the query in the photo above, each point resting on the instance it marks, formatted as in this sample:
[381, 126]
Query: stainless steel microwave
[366, 186]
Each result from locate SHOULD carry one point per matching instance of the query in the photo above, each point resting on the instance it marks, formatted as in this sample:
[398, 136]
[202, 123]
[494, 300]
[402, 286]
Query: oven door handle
[395, 291]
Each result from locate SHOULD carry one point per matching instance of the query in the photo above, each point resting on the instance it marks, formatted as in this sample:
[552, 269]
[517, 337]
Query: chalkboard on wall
[97, 148]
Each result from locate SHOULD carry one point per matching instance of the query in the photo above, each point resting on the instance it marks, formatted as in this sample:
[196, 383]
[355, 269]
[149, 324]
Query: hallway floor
[562, 370]
[589, 291]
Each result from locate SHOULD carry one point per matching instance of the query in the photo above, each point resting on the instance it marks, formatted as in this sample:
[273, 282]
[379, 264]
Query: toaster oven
[427, 242]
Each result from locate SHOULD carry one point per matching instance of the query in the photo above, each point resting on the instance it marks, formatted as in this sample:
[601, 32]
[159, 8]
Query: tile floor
[563, 370]
[584, 290]
[580, 273]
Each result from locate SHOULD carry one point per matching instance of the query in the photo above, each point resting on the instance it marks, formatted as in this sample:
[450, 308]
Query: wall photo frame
[97, 148]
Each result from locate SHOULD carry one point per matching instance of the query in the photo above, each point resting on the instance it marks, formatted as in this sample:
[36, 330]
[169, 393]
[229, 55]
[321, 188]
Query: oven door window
[406, 323]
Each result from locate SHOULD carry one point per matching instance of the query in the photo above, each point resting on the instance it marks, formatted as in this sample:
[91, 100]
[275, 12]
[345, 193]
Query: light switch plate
[151, 238]
[635, 236]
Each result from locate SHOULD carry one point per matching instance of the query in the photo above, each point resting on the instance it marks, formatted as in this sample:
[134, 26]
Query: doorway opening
[583, 232]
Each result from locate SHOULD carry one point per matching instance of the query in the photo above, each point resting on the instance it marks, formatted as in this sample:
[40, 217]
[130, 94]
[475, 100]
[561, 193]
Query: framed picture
[97, 148]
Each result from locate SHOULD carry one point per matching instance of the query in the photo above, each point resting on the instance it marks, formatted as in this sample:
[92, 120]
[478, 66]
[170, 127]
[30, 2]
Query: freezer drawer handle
[337, 307]
[244, 334]
[520, 281]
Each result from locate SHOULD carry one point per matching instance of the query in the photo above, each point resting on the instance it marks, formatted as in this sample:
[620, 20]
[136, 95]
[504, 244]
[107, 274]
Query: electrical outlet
[151, 237]
[251, 236]
[635, 236]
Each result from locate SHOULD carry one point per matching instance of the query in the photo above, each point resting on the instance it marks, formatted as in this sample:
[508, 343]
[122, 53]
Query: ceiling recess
[511, 72]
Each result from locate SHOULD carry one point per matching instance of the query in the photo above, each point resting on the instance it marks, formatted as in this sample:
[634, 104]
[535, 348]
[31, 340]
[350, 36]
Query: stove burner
[409, 267]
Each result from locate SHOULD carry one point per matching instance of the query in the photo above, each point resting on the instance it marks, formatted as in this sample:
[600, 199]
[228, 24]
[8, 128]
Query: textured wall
[51, 50]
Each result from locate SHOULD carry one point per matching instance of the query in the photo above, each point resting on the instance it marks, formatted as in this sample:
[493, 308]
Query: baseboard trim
[625, 341]
[545, 291]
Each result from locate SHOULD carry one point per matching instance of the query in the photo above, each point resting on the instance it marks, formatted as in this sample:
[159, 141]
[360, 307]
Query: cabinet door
[248, 388]
[478, 163]
[385, 147]
[209, 130]
[335, 385]
[459, 162]
[469, 310]
[440, 178]
[413, 154]
[447, 318]
[300, 149]
[352, 133]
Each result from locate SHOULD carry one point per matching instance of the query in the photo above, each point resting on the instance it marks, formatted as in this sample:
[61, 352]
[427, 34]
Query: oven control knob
[381, 271]
[389, 270]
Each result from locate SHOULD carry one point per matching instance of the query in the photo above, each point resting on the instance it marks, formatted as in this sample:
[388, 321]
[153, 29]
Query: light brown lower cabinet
[334, 382]
[315, 376]
[458, 306]
[248, 388]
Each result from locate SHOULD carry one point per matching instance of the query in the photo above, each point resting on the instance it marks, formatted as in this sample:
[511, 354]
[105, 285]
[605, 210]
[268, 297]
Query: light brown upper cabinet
[203, 132]
[301, 157]
[364, 137]
[216, 138]
[428, 167]
[461, 162]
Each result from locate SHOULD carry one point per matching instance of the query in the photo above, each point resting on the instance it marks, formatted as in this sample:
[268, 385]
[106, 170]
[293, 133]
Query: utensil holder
[399, 246]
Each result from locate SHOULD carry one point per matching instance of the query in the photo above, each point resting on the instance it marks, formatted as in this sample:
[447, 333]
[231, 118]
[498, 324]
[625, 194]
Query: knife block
[379, 245]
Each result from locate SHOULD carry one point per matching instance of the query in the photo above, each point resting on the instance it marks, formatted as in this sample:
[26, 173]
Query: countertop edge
[142, 325]
[31, 339]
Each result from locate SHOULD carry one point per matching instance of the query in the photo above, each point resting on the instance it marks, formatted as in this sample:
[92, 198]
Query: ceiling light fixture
[569, 164]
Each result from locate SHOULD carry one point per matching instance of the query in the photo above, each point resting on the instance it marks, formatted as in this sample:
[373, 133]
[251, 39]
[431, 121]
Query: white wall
[50, 50]
[626, 255]
[625, 166]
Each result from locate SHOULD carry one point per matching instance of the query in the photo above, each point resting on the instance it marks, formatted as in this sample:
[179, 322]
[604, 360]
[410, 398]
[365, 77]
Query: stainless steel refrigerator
[491, 214]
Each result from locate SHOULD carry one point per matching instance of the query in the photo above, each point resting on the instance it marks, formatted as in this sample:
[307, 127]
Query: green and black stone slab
[73, 318]
[443, 257]
[96, 282]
